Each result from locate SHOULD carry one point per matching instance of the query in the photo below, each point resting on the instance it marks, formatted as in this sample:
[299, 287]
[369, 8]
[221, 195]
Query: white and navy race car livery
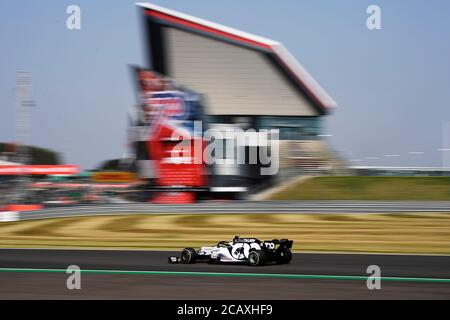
[240, 250]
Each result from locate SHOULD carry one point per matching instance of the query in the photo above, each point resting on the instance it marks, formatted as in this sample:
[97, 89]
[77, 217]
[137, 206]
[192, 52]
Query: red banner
[169, 112]
[39, 169]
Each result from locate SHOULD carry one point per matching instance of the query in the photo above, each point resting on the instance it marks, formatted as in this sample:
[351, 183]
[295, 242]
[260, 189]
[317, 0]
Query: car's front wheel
[256, 258]
[188, 255]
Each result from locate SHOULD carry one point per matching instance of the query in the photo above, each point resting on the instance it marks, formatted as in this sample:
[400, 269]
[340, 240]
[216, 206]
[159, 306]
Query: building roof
[284, 59]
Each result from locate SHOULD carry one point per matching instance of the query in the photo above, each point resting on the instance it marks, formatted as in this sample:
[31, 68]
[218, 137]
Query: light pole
[23, 124]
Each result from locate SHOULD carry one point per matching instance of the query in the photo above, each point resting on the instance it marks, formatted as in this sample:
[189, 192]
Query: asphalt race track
[237, 207]
[147, 275]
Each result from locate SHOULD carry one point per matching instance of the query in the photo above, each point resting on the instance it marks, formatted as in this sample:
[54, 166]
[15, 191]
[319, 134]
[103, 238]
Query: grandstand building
[245, 80]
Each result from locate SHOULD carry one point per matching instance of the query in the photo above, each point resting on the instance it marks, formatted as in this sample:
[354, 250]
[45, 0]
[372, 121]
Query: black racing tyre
[188, 255]
[256, 258]
[283, 256]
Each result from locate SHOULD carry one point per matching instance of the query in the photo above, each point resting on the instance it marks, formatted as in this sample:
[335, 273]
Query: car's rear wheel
[283, 256]
[188, 255]
[256, 258]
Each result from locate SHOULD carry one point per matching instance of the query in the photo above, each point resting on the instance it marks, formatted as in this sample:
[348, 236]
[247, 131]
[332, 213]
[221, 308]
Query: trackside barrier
[8, 216]
[24, 207]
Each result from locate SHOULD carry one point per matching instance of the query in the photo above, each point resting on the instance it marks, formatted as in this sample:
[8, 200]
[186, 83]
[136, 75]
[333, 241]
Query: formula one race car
[240, 250]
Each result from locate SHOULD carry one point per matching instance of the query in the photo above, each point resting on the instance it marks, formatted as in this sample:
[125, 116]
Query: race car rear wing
[284, 243]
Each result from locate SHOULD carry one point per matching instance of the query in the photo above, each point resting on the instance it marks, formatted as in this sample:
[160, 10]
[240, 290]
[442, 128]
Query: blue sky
[392, 85]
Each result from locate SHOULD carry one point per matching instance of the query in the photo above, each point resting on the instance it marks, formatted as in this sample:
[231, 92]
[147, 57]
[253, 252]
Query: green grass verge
[368, 188]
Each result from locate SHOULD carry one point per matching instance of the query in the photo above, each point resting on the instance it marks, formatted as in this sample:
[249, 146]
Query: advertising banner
[39, 169]
[112, 176]
[167, 114]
